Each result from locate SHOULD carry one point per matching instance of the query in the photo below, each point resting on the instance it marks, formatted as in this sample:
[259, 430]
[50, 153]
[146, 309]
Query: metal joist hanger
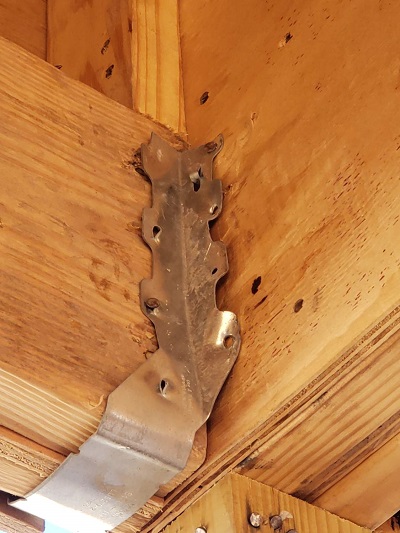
[146, 434]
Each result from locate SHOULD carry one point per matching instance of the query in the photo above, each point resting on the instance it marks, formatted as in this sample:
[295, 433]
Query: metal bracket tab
[146, 434]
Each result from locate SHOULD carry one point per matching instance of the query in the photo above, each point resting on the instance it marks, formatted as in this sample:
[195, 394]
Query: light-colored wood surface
[353, 495]
[72, 258]
[227, 506]
[24, 22]
[130, 51]
[156, 54]
[311, 173]
[24, 464]
[310, 169]
[91, 42]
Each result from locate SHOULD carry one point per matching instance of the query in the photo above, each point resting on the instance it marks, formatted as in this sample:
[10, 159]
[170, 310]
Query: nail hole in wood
[156, 232]
[163, 386]
[298, 305]
[109, 71]
[204, 97]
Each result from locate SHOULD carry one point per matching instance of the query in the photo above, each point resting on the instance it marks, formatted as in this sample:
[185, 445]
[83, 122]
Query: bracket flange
[146, 434]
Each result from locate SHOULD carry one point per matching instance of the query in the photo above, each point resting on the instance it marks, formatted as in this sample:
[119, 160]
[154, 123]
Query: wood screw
[276, 522]
[292, 531]
[152, 303]
[201, 530]
[255, 520]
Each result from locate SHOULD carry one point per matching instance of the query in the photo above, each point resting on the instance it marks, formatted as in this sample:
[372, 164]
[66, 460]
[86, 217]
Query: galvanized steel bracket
[147, 431]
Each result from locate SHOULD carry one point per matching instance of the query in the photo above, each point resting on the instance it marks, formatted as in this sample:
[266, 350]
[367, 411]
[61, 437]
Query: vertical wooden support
[156, 57]
[226, 508]
[128, 50]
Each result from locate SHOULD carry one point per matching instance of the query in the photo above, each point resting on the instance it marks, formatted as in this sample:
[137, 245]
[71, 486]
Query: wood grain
[130, 51]
[24, 464]
[24, 23]
[349, 496]
[72, 258]
[310, 168]
[157, 82]
[91, 42]
[227, 506]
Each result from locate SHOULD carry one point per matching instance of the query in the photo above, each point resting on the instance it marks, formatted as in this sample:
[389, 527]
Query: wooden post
[237, 501]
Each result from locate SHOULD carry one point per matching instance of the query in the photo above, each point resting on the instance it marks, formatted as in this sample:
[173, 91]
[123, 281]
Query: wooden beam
[24, 464]
[91, 42]
[310, 167]
[72, 258]
[157, 73]
[227, 507]
[130, 51]
[310, 170]
[24, 23]
[370, 494]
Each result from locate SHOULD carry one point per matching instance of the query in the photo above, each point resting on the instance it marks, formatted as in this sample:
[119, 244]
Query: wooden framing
[226, 508]
[129, 50]
[310, 170]
[349, 496]
[25, 23]
[71, 248]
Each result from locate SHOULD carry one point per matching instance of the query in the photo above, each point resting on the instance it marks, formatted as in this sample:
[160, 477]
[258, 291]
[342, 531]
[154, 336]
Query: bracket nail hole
[152, 304]
[298, 305]
[228, 341]
[214, 271]
[213, 209]
[163, 386]
[195, 179]
[156, 232]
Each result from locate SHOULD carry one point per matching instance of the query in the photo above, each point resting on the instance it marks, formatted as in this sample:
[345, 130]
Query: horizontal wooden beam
[310, 172]
[72, 258]
[130, 51]
[370, 494]
[238, 505]
[25, 23]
